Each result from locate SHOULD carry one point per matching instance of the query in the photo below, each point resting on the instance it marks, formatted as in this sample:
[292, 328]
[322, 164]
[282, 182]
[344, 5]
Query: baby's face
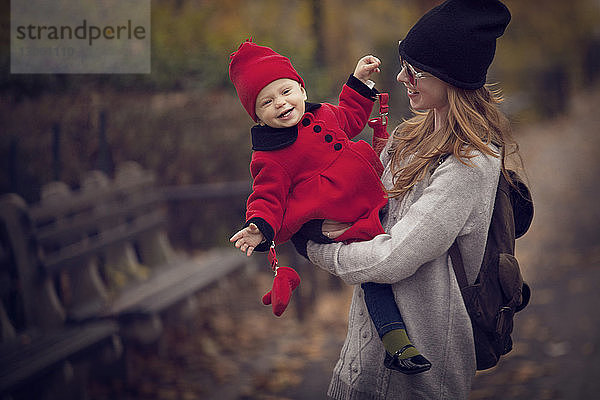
[280, 104]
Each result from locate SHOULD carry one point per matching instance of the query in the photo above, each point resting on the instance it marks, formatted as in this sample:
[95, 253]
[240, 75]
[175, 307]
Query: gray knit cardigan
[455, 202]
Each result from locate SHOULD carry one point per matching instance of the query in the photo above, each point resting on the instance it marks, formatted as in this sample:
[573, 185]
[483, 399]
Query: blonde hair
[474, 121]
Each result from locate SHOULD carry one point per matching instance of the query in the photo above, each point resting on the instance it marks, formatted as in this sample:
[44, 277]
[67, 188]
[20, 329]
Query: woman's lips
[411, 93]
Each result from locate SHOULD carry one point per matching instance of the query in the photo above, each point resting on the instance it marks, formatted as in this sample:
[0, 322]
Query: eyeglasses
[412, 73]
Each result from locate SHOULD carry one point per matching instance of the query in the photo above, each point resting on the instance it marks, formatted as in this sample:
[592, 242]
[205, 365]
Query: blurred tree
[544, 48]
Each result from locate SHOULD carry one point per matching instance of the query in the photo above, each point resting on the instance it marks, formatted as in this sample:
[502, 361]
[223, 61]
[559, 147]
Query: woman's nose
[402, 77]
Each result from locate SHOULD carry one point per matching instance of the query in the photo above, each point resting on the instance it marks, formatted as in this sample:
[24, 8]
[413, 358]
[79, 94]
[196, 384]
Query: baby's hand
[247, 239]
[366, 66]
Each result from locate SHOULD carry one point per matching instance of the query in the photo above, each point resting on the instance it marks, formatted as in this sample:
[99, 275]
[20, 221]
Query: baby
[305, 167]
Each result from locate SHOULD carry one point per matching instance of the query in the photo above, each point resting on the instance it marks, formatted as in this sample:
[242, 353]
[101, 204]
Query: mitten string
[273, 258]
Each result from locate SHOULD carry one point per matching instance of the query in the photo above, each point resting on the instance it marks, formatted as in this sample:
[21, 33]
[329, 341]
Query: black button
[328, 138]
[317, 128]
[337, 146]
[306, 122]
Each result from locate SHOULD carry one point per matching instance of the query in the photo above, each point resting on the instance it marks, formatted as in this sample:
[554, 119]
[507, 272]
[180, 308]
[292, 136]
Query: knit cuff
[265, 229]
[323, 255]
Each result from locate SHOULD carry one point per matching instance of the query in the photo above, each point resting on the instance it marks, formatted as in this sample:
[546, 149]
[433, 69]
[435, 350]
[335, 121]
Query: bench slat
[71, 256]
[22, 361]
[82, 201]
[81, 225]
[200, 277]
[172, 284]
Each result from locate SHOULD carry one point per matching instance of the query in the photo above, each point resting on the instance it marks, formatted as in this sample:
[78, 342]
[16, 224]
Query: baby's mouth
[411, 91]
[286, 113]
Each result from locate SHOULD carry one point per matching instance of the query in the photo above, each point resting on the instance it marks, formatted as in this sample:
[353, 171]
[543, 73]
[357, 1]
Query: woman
[442, 169]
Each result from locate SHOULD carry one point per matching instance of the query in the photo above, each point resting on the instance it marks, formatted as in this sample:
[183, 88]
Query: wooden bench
[104, 249]
[38, 345]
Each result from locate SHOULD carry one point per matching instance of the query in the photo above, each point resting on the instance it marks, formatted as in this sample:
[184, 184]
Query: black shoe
[409, 366]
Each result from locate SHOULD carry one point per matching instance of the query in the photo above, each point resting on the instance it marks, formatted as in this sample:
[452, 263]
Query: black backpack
[499, 291]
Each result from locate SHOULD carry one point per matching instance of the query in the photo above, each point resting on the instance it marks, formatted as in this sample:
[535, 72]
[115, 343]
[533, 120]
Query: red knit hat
[252, 67]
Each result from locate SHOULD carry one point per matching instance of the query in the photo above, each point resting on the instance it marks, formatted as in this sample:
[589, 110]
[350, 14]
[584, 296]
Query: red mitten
[285, 281]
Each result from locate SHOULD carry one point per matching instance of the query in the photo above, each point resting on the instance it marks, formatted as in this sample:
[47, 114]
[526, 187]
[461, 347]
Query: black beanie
[456, 41]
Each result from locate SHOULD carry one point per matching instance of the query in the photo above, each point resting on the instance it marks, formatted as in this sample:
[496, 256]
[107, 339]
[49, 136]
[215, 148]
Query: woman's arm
[423, 234]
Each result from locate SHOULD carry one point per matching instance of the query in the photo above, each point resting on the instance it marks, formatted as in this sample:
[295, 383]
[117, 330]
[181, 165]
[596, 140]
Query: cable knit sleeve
[425, 232]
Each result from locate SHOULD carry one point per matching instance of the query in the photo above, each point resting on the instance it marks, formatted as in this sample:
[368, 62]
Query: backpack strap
[455, 256]
[458, 266]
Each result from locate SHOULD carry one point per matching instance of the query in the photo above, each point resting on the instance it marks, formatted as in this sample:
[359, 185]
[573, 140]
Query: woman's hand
[334, 229]
[366, 66]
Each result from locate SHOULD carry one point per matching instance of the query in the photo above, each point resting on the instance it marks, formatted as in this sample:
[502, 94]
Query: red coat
[314, 171]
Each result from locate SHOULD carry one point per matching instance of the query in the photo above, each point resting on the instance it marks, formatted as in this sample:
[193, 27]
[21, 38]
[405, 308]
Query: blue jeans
[382, 307]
